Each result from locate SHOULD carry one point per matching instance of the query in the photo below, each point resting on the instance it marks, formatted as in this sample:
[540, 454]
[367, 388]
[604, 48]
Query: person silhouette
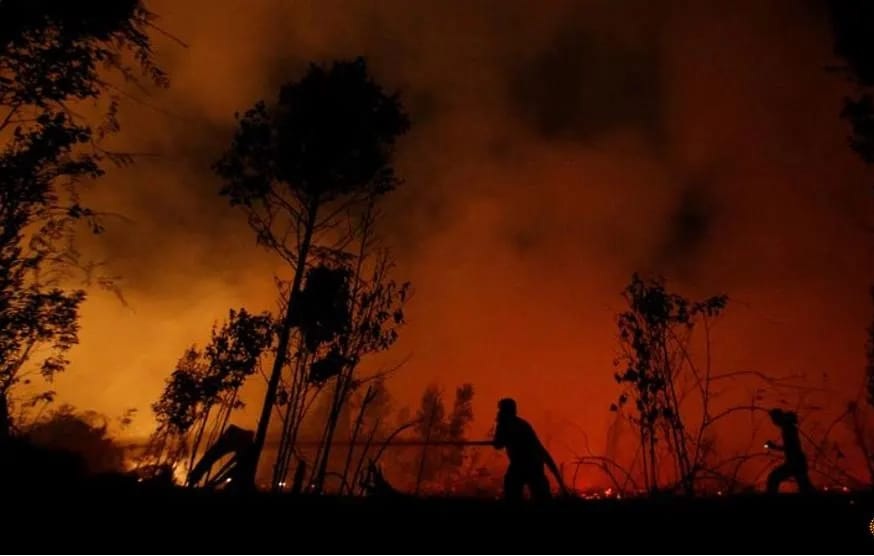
[526, 454]
[795, 464]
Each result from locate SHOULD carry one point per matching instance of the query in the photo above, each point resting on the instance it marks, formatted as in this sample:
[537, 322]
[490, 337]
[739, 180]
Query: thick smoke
[556, 148]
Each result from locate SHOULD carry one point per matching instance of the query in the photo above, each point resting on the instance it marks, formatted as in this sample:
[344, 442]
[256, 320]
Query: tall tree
[656, 366]
[299, 166]
[54, 56]
[853, 26]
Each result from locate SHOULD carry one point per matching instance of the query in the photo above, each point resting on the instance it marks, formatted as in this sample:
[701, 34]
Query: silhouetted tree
[298, 168]
[654, 333]
[372, 407]
[54, 55]
[177, 410]
[430, 425]
[459, 420]
[232, 356]
[671, 393]
[38, 402]
[207, 380]
[32, 319]
[442, 463]
[361, 309]
[375, 309]
[462, 412]
[853, 26]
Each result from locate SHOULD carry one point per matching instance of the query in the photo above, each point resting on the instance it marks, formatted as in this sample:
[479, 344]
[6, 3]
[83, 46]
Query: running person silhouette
[795, 465]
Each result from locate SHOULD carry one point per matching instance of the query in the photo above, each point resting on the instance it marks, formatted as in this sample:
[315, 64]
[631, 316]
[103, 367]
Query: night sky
[556, 148]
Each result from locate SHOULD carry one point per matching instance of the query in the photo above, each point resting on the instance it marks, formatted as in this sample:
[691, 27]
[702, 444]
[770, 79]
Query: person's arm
[498, 441]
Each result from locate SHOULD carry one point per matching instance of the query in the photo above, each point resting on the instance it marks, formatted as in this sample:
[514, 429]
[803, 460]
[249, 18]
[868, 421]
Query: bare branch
[6, 119]
[607, 465]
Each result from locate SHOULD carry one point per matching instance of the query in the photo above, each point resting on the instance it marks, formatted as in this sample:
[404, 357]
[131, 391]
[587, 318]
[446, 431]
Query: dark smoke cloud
[690, 228]
[582, 85]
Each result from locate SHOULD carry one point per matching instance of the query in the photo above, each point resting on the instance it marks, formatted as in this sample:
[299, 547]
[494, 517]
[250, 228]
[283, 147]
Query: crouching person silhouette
[526, 454]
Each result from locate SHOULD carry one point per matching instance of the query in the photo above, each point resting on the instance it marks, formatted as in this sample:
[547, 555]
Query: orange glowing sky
[557, 147]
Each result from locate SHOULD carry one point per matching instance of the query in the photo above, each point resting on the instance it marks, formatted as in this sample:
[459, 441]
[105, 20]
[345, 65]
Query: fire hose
[400, 443]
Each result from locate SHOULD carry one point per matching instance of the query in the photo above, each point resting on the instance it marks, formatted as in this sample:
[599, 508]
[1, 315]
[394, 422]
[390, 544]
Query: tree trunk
[281, 349]
[421, 474]
[344, 380]
[354, 438]
[299, 474]
[337, 403]
[195, 447]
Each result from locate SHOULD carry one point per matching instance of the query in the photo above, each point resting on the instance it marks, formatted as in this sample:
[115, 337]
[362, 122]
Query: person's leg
[777, 476]
[539, 486]
[513, 485]
[802, 479]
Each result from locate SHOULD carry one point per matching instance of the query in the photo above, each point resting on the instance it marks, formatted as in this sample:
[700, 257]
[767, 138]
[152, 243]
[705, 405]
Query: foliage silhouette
[376, 312]
[299, 168]
[323, 311]
[853, 25]
[654, 332]
[55, 55]
[443, 464]
[373, 308]
[206, 380]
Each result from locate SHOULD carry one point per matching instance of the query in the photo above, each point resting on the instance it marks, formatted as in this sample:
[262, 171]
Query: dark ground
[125, 518]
